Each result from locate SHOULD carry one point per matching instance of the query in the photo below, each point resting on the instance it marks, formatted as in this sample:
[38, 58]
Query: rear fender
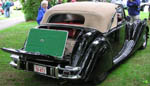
[138, 33]
[82, 43]
[94, 59]
[133, 31]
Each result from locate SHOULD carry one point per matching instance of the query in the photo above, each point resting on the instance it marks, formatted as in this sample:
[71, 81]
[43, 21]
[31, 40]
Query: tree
[30, 8]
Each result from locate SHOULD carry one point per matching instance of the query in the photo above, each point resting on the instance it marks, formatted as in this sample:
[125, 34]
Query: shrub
[30, 8]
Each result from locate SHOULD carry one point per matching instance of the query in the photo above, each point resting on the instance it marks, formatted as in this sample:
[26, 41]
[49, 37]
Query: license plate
[40, 69]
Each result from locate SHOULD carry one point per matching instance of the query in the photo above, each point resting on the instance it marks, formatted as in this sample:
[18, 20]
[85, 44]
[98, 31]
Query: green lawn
[144, 15]
[132, 72]
[135, 71]
[13, 37]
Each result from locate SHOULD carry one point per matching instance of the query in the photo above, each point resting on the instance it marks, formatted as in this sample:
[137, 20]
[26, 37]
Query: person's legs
[137, 17]
[5, 12]
[8, 12]
[131, 19]
[134, 18]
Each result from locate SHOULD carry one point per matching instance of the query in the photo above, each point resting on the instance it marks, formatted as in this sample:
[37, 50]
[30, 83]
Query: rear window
[67, 19]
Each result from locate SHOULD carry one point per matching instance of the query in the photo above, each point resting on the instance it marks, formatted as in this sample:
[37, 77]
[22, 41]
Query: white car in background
[17, 5]
[121, 2]
[145, 5]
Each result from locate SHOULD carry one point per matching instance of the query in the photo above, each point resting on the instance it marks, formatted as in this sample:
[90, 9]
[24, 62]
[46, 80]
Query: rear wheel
[100, 78]
[145, 38]
[145, 41]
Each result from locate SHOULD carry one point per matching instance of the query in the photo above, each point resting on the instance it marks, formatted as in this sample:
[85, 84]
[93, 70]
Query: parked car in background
[17, 5]
[145, 4]
[80, 41]
[121, 2]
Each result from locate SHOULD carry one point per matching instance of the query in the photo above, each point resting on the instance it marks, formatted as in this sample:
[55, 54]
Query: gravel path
[11, 22]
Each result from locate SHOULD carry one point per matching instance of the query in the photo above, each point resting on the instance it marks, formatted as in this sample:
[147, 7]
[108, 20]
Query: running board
[126, 50]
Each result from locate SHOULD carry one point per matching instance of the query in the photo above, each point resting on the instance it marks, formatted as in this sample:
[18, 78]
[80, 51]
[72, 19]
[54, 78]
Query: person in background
[1, 8]
[49, 4]
[73, 0]
[134, 9]
[7, 6]
[59, 1]
[12, 3]
[42, 10]
[3, 4]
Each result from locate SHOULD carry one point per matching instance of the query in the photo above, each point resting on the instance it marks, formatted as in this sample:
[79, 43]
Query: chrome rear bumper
[13, 64]
[54, 71]
[15, 60]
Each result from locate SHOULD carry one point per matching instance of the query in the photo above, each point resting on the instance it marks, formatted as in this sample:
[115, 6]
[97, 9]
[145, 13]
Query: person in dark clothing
[42, 10]
[133, 9]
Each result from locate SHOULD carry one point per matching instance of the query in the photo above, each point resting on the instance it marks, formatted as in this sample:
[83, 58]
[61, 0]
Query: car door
[116, 35]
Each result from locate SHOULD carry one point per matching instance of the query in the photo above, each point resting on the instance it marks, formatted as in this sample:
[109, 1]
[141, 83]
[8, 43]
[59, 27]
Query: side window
[67, 18]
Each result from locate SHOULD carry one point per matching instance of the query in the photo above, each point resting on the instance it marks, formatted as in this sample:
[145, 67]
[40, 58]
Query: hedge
[30, 8]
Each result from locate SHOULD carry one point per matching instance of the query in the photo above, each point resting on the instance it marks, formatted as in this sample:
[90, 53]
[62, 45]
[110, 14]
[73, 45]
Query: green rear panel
[47, 42]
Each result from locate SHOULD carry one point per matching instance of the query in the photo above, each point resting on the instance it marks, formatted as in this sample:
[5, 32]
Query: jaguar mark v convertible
[80, 41]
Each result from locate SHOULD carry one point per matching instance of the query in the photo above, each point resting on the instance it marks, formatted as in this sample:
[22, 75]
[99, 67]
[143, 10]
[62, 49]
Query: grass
[134, 71]
[144, 15]
[12, 37]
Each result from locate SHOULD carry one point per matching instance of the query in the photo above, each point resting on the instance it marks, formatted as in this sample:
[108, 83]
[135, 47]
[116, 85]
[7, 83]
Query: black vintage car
[80, 41]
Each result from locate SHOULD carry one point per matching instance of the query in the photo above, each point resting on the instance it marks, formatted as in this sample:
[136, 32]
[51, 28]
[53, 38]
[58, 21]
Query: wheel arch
[95, 59]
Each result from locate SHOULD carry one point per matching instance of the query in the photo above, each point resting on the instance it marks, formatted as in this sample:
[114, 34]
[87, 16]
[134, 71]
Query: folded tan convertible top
[97, 15]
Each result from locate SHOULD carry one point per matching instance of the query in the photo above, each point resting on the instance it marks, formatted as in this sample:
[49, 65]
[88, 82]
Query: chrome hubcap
[144, 37]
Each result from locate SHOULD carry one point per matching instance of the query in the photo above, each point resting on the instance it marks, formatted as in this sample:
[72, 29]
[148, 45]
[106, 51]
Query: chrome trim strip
[51, 71]
[27, 66]
[69, 68]
[70, 76]
[18, 63]
[56, 72]
[14, 56]
[13, 64]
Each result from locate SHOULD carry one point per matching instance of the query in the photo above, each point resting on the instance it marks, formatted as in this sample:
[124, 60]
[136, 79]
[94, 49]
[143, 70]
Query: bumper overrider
[58, 72]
